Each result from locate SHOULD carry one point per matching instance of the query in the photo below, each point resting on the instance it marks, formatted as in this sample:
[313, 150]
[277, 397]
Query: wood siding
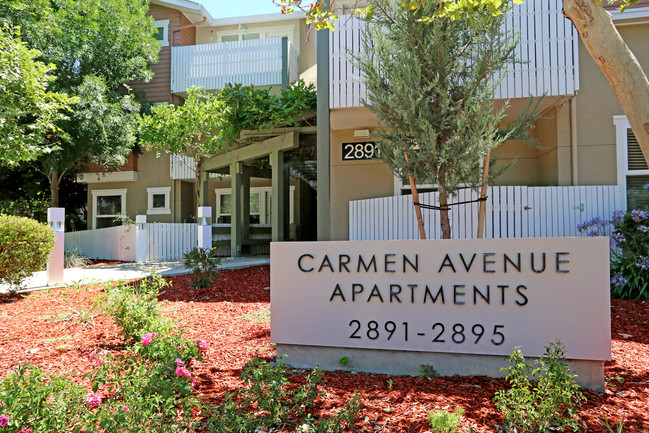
[159, 88]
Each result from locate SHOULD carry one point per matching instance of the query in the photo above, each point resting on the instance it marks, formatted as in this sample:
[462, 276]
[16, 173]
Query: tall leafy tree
[97, 47]
[431, 86]
[27, 109]
[192, 129]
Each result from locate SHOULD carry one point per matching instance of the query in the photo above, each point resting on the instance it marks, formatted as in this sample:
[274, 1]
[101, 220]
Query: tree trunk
[611, 54]
[198, 163]
[445, 223]
[415, 200]
[55, 180]
[483, 193]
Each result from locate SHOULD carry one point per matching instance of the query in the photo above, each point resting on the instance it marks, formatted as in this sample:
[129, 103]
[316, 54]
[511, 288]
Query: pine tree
[431, 84]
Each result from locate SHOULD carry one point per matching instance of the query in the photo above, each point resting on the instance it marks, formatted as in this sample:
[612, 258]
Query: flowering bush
[629, 251]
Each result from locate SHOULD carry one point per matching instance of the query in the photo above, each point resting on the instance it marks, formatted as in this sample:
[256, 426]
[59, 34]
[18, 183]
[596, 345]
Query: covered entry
[262, 159]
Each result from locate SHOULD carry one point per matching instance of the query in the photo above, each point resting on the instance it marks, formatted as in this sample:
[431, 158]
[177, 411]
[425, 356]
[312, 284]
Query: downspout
[574, 154]
[188, 26]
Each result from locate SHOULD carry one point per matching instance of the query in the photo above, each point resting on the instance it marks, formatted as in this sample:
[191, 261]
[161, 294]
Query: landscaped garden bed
[58, 330]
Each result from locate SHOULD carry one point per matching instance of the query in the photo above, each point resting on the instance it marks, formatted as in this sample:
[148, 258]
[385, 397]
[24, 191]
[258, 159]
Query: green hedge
[25, 247]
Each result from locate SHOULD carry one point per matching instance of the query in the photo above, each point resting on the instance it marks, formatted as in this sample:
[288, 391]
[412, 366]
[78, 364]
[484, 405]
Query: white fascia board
[630, 15]
[115, 176]
[194, 11]
[252, 19]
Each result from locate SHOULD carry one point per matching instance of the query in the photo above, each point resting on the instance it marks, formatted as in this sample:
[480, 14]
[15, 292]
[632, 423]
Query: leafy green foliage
[27, 109]
[208, 124]
[94, 60]
[553, 401]
[268, 399]
[445, 422]
[203, 265]
[629, 251]
[439, 133]
[428, 372]
[135, 308]
[36, 400]
[25, 247]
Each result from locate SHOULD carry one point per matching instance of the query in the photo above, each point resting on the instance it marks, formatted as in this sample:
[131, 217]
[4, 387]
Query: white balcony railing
[181, 167]
[260, 62]
[547, 52]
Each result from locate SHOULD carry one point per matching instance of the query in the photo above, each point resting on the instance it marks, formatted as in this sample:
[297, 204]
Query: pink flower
[179, 362]
[202, 344]
[24, 430]
[194, 383]
[147, 338]
[125, 408]
[93, 399]
[4, 420]
[182, 371]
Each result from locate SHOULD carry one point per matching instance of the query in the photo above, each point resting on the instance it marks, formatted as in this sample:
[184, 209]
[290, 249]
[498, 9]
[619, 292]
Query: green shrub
[630, 260]
[553, 401]
[135, 308]
[445, 422]
[35, 400]
[203, 266]
[74, 259]
[268, 400]
[25, 247]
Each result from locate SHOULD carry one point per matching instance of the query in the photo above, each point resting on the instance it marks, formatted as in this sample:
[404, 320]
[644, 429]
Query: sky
[237, 8]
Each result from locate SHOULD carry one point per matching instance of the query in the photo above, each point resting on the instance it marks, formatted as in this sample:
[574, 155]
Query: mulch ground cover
[233, 317]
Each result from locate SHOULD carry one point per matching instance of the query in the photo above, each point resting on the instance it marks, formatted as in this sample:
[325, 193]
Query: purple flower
[643, 263]
[618, 216]
[643, 229]
[617, 238]
[4, 420]
[638, 215]
[618, 280]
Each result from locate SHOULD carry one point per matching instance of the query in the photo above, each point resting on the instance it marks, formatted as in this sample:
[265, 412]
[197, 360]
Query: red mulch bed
[31, 331]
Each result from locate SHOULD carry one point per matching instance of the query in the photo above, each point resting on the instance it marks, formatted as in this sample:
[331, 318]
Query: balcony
[547, 51]
[260, 62]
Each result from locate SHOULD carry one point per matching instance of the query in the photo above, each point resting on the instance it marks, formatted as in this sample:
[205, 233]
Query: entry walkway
[129, 271]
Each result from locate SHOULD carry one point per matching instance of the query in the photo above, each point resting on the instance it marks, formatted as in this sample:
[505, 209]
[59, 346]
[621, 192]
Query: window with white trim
[632, 169]
[158, 200]
[162, 36]
[260, 205]
[109, 207]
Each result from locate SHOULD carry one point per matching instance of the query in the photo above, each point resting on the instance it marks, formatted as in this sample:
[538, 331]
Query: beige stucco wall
[353, 180]
[596, 106]
[152, 172]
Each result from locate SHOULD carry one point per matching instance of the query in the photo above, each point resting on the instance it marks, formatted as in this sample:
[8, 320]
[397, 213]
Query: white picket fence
[511, 212]
[164, 241]
[167, 241]
[112, 243]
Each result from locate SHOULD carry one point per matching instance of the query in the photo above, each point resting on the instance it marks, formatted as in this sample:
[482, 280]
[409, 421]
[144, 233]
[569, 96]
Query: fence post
[140, 238]
[205, 227]
[56, 220]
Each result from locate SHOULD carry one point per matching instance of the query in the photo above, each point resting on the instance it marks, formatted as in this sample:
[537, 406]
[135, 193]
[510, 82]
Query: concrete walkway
[128, 271]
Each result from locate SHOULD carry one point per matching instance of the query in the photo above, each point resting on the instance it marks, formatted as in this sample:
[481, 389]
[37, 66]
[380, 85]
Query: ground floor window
[260, 205]
[109, 207]
[158, 200]
[632, 169]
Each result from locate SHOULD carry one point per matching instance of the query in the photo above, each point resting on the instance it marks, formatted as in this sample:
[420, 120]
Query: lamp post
[205, 227]
[56, 220]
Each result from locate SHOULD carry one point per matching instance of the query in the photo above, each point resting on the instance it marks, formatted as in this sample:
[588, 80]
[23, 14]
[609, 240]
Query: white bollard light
[205, 227]
[140, 238]
[56, 220]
